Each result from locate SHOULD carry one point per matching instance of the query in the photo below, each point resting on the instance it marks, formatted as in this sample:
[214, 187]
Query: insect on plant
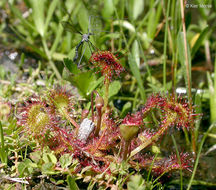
[85, 39]
[94, 28]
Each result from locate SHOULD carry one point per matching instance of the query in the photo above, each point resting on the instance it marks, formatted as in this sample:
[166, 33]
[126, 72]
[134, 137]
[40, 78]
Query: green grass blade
[165, 47]
[33, 47]
[20, 17]
[153, 21]
[181, 55]
[135, 71]
[108, 8]
[50, 12]
[143, 21]
[38, 15]
[212, 98]
[135, 52]
[198, 155]
[57, 39]
[3, 153]
[199, 41]
[198, 108]
[83, 18]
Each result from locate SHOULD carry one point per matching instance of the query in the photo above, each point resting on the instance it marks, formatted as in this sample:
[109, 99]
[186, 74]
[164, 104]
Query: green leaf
[212, 98]
[199, 41]
[136, 183]
[58, 182]
[38, 15]
[181, 55]
[21, 168]
[48, 168]
[50, 12]
[58, 38]
[3, 152]
[135, 53]
[65, 160]
[49, 157]
[108, 8]
[153, 21]
[19, 15]
[96, 83]
[198, 110]
[138, 8]
[26, 167]
[86, 82]
[135, 8]
[125, 109]
[136, 73]
[35, 156]
[114, 88]
[83, 18]
[69, 64]
[71, 183]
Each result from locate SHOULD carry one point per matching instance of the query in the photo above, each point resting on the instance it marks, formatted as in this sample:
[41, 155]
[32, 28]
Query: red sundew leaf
[35, 116]
[107, 63]
[164, 165]
[134, 119]
[170, 164]
[170, 106]
[60, 99]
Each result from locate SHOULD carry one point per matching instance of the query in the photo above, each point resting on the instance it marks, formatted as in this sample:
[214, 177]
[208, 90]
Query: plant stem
[74, 123]
[3, 153]
[188, 71]
[106, 94]
[92, 106]
[165, 46]
[198, 155]
[125, 149]
[50, 61]
[99, 142]
[149, 141]
[99, 118]
[179, 160]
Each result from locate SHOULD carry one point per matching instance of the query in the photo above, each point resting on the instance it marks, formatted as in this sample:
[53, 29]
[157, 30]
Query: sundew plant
[129, 104]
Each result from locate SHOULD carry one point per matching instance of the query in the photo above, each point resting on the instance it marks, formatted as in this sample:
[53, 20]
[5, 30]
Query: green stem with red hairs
[106, 94]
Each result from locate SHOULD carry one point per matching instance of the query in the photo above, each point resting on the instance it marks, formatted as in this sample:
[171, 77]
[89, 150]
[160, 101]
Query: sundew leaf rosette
[35, 116]
[176, 111]
[5, 110]
[60, 100]
[61, 103]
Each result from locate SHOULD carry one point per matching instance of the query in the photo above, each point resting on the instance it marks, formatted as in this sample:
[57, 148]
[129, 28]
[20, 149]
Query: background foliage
[36, 52]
